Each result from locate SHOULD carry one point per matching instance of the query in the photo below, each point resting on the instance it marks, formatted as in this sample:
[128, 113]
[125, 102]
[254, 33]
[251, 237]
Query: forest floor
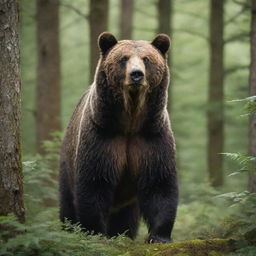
[212, 247]
[48, 238]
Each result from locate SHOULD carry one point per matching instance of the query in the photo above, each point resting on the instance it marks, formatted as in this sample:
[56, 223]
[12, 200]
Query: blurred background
[209, 65]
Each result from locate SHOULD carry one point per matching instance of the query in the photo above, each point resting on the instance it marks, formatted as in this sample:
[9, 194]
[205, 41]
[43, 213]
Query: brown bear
[118, 155]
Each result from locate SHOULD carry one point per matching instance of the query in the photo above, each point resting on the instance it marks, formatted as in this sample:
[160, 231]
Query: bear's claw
[157, 239]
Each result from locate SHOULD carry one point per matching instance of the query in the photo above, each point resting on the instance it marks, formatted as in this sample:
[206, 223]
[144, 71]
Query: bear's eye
[124, 59]
[146, 60]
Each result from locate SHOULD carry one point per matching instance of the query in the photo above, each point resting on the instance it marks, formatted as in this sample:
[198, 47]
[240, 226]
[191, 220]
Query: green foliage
[35, 174]
[247, 163]
[202, 214]
[52, 147]
[48, 239]
[201, 206]
[39, 186]
[249, 104]
[242, 222]
[40, 179]
[246, 251]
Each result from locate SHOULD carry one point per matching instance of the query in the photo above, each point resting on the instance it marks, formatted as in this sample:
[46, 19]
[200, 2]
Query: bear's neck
[128, 113]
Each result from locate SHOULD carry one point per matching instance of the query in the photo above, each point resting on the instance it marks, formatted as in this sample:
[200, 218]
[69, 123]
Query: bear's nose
[136, 75]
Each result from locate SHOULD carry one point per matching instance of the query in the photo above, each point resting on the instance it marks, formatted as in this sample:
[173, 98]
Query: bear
[117, 159]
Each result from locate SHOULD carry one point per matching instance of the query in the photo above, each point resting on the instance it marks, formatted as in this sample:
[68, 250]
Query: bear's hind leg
[124, 220]
[67, 209]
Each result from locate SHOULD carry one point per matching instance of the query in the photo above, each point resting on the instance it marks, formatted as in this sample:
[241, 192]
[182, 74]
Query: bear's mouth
[135, 86]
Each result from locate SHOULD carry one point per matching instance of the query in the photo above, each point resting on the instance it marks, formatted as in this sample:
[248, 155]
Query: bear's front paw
[157, 239]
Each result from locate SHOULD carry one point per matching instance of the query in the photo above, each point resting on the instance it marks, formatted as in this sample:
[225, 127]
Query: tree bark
[11, 188]
[252, 84]
[98, 22]
[165, 13]
[48, 97]
[164, 8]
[215, 113]
[126, 19]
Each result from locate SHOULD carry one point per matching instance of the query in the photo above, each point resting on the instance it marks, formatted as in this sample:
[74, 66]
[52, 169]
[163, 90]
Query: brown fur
[124, 151]
[134, 103]
[118, 151]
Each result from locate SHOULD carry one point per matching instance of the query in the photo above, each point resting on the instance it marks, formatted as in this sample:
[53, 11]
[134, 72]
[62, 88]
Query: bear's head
[133, 68]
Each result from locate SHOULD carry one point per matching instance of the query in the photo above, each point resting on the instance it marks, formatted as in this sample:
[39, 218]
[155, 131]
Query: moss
[212, 247]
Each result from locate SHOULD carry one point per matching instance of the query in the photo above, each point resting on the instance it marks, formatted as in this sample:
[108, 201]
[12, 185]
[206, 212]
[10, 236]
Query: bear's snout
[136, 75]
[135, 72]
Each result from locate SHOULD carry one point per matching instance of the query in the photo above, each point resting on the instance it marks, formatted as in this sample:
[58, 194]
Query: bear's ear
[162, 43]
[106, 41]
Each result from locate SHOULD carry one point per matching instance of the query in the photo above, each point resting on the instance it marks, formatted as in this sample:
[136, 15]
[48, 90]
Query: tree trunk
[126, 19]
[164, 10]
[215, 95]
[252, 84]
[98, 22]
[48, 71]
[11, 188]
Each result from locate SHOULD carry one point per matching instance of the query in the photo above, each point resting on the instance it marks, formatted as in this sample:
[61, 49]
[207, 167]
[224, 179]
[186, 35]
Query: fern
[249, 105]
[48, 239]
[242, 223]
[246, 163]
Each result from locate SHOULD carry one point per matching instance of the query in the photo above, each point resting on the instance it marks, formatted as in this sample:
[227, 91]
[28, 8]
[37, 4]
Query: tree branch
[145, 13]
[233, 69]
[144, 29]
[76, 10]
[32, 111]
[70, 24]
[240, 36]
[247, 5]
[231, 19]
[193, 33]
[192, 14]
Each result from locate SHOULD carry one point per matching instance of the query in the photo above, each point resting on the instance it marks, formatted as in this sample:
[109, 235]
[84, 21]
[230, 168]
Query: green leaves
[48, 239]
[246, 162]
[244, 217]
[238, 198]
[249, 105]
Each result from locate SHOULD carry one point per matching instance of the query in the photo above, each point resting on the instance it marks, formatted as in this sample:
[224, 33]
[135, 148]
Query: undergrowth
[48, 239]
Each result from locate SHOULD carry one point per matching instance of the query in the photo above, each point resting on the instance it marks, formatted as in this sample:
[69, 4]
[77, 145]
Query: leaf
[238, 172]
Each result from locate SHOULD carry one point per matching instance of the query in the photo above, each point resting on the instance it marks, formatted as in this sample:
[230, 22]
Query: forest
[48, 57]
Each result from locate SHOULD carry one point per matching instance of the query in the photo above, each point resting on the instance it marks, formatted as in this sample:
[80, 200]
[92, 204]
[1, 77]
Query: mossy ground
[211, 247]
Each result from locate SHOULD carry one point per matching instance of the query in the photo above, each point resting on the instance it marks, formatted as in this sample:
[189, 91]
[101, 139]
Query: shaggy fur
[118, 154]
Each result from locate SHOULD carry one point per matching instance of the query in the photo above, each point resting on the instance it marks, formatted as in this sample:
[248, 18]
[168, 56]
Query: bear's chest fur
[128, 153]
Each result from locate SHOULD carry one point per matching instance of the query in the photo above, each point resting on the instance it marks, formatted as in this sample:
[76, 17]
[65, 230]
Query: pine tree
[11, 188]
[252, 84]
[98, 23]
[48, 96]
[215, 121]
